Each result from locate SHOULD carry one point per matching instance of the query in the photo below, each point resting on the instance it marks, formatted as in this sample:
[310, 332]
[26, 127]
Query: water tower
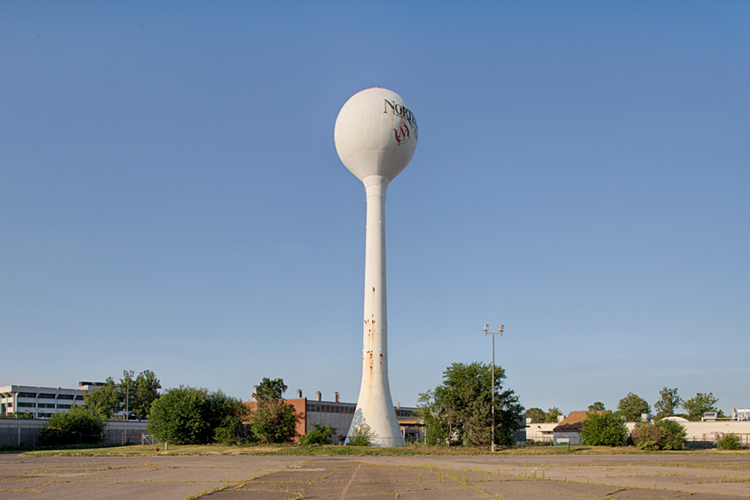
[376, 135]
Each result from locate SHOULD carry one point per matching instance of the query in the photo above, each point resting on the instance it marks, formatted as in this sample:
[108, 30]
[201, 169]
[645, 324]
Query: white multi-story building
[42, 402]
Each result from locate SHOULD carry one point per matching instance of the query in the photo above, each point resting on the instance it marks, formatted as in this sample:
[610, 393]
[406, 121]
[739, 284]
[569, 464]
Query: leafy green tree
[270, 390]
[551, 416]
[668, 403]
[21, 415]
[603, 428]
[188, 415]
[464, 400]
[76, 426]
[535, 414]
[433, 416]
[227, 417]
[319, 434]
[598, 406]
[110, 398]
[180, 416]
[145, 392]
[273, 420]
[631, 407]
[104, 401]
[700, 404]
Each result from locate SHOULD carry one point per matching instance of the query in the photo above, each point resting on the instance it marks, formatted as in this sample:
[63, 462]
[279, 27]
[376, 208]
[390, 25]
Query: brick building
[340, 415]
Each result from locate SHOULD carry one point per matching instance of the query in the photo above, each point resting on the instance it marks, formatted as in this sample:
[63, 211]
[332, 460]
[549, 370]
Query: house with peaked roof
[570, 428]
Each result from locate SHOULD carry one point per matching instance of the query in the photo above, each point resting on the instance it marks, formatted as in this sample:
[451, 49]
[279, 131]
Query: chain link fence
[17, 433]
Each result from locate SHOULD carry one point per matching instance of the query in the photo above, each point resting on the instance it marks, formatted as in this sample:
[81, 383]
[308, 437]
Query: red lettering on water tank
[402, 133]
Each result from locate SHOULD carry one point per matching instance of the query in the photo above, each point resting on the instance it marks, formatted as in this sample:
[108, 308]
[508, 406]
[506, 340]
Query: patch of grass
[53, 448]
[332, 450]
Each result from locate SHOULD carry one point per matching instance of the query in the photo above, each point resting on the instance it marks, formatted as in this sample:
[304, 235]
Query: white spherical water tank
[376, 133]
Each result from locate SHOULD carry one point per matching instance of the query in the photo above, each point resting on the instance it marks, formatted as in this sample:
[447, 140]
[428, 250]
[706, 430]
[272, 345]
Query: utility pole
[498, 332]
[128, 374]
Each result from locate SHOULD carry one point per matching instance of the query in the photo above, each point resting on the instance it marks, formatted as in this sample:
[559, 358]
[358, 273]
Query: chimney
[318, 396]
[336, 398]
[299, 393]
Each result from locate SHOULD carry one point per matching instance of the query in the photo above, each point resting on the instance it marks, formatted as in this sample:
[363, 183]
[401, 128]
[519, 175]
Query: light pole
[498, 332]
[128, 374]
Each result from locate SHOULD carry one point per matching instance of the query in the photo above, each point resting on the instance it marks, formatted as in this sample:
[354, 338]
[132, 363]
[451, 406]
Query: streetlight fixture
[128, 374]
[498, 332]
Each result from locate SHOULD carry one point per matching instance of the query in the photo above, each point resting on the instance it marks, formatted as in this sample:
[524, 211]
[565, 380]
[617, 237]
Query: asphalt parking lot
[509, 477]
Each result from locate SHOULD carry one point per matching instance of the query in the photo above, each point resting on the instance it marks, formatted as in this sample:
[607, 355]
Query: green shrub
[603, 429]
[729, 442]
[646, 437]
[319, 434]
[663, 435]
[189, 415]
[672, 436]
[230, 433]
[77, 426]
[227, 417]
[361, 436]
[180, 416]
[274, 422]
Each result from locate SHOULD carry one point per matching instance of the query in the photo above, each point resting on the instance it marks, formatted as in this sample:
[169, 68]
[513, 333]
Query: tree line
[456, 412]
[607, 428]
[184, 415]
[131, 398]
[459, 411]
[631, 407]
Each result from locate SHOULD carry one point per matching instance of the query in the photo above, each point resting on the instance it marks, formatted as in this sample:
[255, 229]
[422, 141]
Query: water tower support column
[375, 406]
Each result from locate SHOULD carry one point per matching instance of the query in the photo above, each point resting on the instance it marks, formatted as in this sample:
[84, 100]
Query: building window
[46, 396]
[79, 398]
[26, 395]
[64, 396]
[26, 405]
[63, 407]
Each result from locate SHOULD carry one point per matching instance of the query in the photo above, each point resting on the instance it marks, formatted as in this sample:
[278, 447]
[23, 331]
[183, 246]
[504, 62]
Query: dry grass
[296, 450]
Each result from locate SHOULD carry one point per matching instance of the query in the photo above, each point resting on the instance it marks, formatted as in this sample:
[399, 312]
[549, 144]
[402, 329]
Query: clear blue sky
[171, 198]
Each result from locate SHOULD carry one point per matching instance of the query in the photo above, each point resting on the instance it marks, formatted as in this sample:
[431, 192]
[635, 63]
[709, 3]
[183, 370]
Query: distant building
[569, 429]
[340, 415]
[537, 432]
[42, 402]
